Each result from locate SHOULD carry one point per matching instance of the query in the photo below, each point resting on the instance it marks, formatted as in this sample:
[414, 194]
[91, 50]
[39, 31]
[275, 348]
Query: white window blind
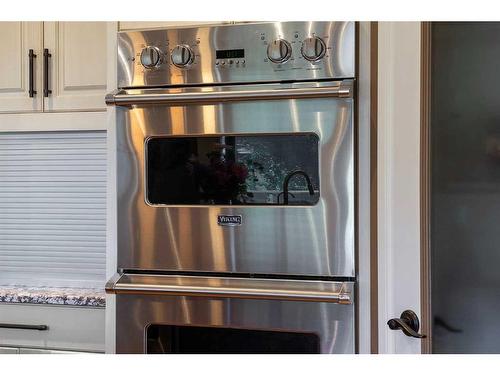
[53, 208]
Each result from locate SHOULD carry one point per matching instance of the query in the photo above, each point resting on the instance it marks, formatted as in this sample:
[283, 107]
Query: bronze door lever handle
[408, 323]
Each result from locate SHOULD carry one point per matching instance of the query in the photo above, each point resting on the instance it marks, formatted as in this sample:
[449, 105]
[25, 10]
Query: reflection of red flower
[240, 171]
[229, 178]
[222, 177]
[226, 170]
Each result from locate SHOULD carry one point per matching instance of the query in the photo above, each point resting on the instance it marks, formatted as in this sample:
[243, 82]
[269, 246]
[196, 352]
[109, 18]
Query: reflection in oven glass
[242, 170]
[163, 339]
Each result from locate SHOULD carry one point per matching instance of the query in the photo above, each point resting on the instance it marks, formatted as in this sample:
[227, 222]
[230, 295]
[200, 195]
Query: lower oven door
[171, 314]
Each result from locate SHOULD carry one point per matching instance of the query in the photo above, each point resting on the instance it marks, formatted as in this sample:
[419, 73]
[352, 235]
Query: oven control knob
[313, 48]
[150, 57]
[182, 56]
[279, 51]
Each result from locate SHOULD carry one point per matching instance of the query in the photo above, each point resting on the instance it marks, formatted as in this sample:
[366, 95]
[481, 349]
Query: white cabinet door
[136, 25]
[17, 38]
[77, 66]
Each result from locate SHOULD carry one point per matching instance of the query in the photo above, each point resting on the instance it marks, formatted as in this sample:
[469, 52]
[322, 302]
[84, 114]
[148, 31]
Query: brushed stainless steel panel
[313, 240]
[333, 323]
[254, 38]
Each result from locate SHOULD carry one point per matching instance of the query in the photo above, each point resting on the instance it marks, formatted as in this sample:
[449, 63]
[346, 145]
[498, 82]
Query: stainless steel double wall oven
[235, 173]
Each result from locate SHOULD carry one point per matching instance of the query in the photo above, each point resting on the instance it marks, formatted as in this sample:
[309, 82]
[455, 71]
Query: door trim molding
[425, 185]
[398, 175]
[373, 187]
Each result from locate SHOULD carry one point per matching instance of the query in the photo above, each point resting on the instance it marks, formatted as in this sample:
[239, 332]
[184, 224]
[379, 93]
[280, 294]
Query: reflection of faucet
[287, 181]
[280, 194]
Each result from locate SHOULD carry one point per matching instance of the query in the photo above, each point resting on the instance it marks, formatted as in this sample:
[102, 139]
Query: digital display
[230, 54]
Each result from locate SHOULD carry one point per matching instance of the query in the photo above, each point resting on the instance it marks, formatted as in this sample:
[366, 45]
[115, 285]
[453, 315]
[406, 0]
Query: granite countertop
[53, 296]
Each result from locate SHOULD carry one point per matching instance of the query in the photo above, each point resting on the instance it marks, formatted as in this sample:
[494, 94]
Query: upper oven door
[221, 180]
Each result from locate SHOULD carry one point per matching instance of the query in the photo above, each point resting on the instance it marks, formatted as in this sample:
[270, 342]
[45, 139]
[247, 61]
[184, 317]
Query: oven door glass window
[212, 340]
[279, 169]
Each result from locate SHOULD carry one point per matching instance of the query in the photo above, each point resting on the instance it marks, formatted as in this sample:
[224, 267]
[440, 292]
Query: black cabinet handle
[32, 57]
[408, 323]
[37, 327]
[46, 56]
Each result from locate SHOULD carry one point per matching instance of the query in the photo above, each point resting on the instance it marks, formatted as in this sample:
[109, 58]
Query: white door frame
[398, 185]
[364, 319]
[111, 222]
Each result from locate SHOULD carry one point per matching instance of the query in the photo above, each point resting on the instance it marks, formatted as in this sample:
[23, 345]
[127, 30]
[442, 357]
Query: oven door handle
[232, 287]
[338, 89]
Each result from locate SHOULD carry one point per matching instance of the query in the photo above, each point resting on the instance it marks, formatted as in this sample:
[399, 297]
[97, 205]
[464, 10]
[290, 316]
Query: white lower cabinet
[10, 350]
[6, 350]
[47, 351]
[69, 329]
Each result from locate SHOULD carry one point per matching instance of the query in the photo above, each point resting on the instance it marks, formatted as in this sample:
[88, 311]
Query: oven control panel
[245, 53]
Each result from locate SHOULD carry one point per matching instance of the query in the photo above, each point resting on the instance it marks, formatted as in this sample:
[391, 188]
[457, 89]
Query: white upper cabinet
[77, 65]
[136, 25]
[72, 77]
[18, 38]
